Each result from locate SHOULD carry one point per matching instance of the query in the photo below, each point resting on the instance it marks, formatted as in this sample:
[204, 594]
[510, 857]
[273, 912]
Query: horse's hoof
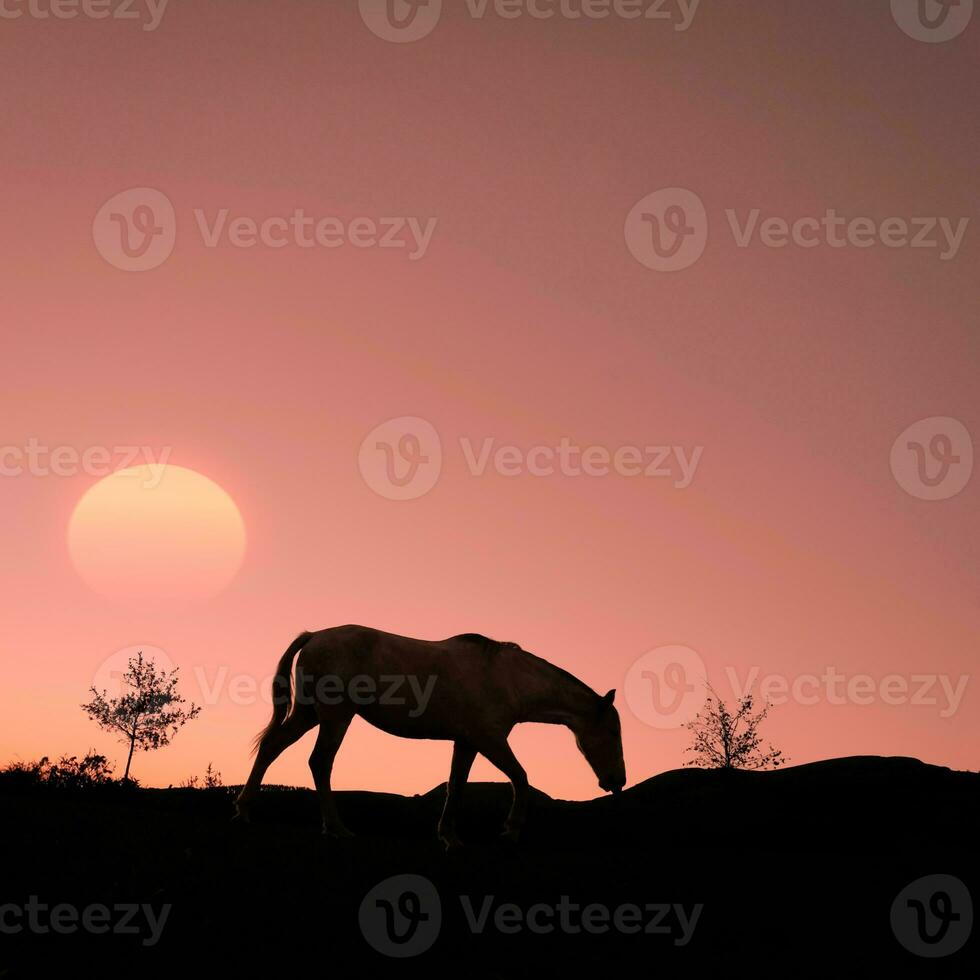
[511, 836]
[339, 832]
[241, 818]
[453, 845]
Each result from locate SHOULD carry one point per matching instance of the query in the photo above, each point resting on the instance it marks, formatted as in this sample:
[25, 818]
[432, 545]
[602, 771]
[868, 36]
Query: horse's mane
[490, 645]
[564, 673]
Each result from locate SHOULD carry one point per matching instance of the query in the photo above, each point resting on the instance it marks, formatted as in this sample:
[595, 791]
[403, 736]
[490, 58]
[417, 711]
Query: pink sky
[527, 320]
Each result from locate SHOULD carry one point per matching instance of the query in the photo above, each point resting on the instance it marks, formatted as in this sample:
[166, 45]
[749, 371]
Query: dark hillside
[802, 861]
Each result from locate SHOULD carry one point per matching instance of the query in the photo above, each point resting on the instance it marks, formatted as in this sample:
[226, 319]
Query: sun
[156, 533]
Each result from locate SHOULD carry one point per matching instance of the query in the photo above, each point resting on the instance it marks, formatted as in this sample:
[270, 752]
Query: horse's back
[366, 650]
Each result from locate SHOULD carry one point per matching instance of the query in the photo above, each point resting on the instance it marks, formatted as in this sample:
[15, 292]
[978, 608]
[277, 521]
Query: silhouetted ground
[796, 871]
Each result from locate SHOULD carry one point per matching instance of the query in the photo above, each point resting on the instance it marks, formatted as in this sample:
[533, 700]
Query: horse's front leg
[463, 756]
[500, 755]
[334, 723]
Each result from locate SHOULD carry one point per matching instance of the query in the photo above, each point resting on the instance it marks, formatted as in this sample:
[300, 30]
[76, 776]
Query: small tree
[730, 740]
[148, 715]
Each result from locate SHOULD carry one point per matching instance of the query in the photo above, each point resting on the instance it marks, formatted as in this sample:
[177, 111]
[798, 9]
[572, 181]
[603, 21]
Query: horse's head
[600, 739]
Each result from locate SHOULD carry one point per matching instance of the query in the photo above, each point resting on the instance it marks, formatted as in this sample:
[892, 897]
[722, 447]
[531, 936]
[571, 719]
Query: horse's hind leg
[270, 748]
[334, 722]
[500, 755]
[463, 756]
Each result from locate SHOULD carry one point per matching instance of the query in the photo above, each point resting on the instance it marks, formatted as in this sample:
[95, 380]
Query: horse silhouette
[468, 689]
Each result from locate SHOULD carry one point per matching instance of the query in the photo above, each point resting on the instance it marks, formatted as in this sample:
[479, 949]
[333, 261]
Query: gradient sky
[527, 320]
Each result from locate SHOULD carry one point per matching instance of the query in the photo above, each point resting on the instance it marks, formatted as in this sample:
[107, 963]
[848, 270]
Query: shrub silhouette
[146, 717]
[212, 780]
[69, 772]
[725, 739]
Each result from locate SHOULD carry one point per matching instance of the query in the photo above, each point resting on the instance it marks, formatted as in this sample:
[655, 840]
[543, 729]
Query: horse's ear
[609, 697]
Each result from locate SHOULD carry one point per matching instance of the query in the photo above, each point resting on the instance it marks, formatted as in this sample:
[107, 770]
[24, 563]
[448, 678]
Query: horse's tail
[282, 688]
